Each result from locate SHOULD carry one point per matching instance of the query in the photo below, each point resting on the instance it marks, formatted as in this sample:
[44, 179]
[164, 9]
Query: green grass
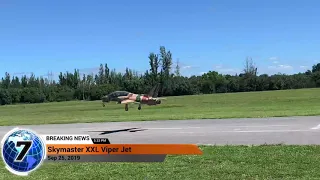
[218, 162]
[231, 105]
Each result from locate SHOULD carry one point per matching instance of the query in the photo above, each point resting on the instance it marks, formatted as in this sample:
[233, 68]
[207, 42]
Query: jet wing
[127, 101]
[122, 97]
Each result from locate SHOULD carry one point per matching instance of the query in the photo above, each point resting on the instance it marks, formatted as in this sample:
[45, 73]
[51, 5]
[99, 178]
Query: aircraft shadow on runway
[119, 130]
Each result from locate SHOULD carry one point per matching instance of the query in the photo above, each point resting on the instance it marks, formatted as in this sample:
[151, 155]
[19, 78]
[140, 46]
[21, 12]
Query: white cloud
[275, 62]
[201, 73]
[223, 70]
[304, 67]
[280, 67]
[273, 58]
[186, 67]
[285, 66]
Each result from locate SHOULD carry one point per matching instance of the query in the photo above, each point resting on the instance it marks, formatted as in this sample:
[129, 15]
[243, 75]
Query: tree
[154, 65]
[71, 86]
[101, 76]
[249, 81]
[177, 71]
[166, 62]
[250, 68]
[107, 73]
[316, 78]
[316, 68]
[6, 81]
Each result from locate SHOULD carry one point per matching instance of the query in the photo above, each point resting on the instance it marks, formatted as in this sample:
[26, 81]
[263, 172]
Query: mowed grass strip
[218, 162]
[301, 102]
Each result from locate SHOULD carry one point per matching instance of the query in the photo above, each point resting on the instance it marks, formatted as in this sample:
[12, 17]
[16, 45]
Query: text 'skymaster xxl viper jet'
[124, 97]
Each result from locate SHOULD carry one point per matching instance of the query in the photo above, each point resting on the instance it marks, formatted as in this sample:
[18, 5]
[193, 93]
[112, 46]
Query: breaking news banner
[23, 150]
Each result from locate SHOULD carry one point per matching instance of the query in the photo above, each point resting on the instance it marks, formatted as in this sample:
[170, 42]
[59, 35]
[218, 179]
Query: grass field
[218, 162]
[235, 105]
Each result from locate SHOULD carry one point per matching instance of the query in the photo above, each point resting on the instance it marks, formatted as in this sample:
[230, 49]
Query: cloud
[285, 66]
[304, 67]
[273, 58]
[201, 73]
[281, 67]
[186, 67]
[183, 65]
[275, 62]
[224, 70]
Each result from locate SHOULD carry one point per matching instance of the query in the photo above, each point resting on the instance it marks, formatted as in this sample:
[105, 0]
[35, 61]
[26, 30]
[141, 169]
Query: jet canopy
[117, 94]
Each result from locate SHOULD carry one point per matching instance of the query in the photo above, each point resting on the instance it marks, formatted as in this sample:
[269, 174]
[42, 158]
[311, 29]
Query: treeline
[74, 86]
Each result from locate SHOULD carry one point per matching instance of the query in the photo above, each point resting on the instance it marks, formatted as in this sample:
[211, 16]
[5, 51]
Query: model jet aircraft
[124, 97]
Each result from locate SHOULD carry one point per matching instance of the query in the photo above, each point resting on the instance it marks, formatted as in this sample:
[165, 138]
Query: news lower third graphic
[23, 151]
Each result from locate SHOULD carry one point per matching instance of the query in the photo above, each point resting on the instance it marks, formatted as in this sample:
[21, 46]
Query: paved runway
[289, 130]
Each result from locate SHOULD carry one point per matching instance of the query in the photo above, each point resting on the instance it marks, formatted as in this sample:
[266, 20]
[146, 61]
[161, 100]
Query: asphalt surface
[289, 130]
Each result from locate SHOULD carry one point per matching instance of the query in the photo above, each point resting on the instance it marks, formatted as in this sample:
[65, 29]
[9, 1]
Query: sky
[52, 36]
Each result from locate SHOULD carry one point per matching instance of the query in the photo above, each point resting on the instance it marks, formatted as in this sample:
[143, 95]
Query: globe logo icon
[22, 151]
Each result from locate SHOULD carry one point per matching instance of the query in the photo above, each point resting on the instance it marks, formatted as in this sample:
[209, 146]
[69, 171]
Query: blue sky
[41, 36]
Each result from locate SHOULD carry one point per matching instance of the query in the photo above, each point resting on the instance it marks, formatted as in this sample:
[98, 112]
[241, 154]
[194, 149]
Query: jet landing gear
[126, 107]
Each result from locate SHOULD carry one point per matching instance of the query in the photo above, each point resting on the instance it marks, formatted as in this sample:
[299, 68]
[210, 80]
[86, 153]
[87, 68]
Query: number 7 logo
[24, 151]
